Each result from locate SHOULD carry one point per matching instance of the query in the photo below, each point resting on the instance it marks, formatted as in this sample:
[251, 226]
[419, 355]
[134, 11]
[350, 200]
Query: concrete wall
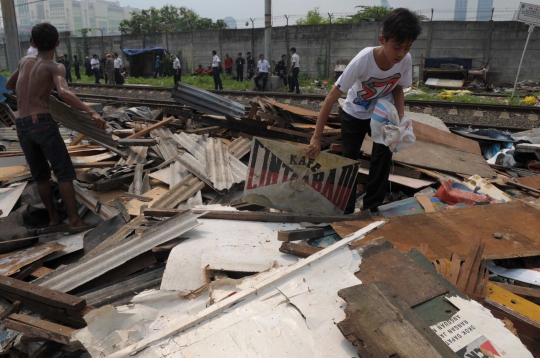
[320, 47]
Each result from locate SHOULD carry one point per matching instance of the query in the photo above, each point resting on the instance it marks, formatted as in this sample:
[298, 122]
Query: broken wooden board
[14, 172]
[531, 182]
[382, 262]
[429, 134]
[426, 203]
[300, 234]
[452, 231]
[281, 176]
[36, 327]
[293, 109]
[439, 157]
[301, 250]
[382, 325]
[398, 179]
[12, 262]
[134, 205]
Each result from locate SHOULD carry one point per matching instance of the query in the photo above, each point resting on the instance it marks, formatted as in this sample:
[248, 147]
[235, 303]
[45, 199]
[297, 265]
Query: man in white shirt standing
[95, 68]
[262, 72]
[118, 79]
[32, 50]
[295, 70]
[216, 67]
[177, 69]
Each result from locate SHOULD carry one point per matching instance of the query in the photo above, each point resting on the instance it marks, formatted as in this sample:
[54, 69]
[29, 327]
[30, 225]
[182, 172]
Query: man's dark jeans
[294, 84]
[353, 131]
[217, 78]
[42, 143]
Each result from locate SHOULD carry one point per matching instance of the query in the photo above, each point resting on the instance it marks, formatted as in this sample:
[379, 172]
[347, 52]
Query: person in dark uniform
[281, 69]
[88, 67]
[76, 66]
[240, 62]
[67, 64]
[250, 65]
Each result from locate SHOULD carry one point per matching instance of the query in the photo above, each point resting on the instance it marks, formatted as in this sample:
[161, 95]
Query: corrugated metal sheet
[196, 148]
[91, 203]
[178, 173]
[73, 276]
[136, 185]
[207, 102]
[121, 234]
[136, 155]
[92, 158]
[179, 193]
[239, 169]
[240, 147]
[192, 202]
[218, 166]
[195, 167]
[167, 145]
[80, 122]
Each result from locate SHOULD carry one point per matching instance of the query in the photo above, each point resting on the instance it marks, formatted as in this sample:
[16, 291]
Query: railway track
[308, 96]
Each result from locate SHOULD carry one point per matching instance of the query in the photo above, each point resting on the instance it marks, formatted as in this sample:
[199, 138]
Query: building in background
[73, 15]
[384, 3]
[460, 10]
[230, 21]
[483, 11]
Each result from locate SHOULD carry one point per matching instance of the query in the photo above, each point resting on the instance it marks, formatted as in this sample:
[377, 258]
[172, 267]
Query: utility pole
[268, 29]
[11, 34]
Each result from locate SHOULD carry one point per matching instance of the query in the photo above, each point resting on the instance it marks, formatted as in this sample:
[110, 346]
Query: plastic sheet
[388, 129]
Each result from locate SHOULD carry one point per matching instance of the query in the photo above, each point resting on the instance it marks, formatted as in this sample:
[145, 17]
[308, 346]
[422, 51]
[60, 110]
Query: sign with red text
[529, 13]
[281, 176]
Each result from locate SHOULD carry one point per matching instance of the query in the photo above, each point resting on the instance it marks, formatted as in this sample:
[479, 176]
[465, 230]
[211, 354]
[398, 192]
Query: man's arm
[12, 82]
[315, 142]
[399, 100]
[70, 98]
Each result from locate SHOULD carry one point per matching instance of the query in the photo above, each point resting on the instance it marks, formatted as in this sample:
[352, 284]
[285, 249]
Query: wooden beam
[14, 308]
[300, 250]
[262, 216]
[28, 291]
[39, 328]
[151, 128]
[94, 165]
[519, 290]
[77, 140]
[138, 197]
[301, 234]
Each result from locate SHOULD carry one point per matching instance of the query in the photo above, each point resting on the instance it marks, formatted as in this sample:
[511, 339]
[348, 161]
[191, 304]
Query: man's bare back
[35, 83]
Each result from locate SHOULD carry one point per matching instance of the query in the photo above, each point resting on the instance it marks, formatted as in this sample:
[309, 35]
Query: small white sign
[529, 13]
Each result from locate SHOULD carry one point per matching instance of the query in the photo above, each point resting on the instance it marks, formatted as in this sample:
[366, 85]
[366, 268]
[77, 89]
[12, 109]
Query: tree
[313, 17]
[166, 20]
[371, 13]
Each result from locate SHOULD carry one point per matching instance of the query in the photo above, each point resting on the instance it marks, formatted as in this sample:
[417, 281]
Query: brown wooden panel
[381, 261]
[452, 231]
[429, 134]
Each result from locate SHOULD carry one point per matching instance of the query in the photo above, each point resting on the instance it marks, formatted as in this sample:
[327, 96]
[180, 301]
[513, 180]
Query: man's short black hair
[44, 36]
[74, 56]
[95, 55]
[283, 55]
[262, 54]
[214, 52]
[401, 25]
[293, 49]
[115, 54]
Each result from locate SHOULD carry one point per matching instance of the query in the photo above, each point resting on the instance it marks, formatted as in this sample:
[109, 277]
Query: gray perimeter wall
[320, 47]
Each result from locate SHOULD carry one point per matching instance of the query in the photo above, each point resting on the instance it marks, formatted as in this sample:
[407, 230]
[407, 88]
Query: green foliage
[168, 19]
[370, 14]
[84, 33]
[313, 17]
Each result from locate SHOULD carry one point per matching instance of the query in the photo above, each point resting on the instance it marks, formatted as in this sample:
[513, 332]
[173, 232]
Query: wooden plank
[293, 109]
[151, 128]
[439, 157]
[261, 216]
[134, 206]
[253, 110]
[426, 203]
[40, 272]
[77, 140]
[382, 262]
[29, 291]
[138, 197]
[16, 260]
[515, 303]
[455, 265]
[381, 325]
[451, 231]
[94, 165]
[519, 290]
[428, 134]
[14, 308]
[300, 234]
[220, 306]
[531, 182]
[301, 250]
[466, 268]
[40, 328]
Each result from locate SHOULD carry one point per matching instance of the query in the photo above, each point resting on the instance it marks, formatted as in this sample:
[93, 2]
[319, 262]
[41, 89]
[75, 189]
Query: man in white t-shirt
[177, 69]
[216, 69]
[262, 72]
[118, 78]
[376, 72]
[95, 68]
[295, 70]
[32, 50]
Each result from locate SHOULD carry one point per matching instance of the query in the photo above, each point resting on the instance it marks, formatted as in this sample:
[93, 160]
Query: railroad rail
[318, 97]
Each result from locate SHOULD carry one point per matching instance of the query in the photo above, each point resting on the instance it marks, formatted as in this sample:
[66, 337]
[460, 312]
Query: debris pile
[213, 234]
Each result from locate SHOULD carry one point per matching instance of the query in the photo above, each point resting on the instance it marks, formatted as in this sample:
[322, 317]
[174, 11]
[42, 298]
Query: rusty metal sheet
[167, 145]
[281, 176]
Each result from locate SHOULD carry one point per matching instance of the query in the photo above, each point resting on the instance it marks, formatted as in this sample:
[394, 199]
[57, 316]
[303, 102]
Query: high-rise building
[483, 11]
[384, 3]
[73, 15]
[460, 10]
[231, 22]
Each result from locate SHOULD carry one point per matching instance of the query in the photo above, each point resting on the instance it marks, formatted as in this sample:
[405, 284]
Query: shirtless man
[40, 140]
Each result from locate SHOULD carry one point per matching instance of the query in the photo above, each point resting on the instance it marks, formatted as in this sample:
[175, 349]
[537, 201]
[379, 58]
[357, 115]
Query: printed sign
[529, 13]
[281, 176]
[465, 339]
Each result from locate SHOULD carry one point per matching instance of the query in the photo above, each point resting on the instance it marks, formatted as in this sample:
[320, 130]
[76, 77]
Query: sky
[243, 10]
